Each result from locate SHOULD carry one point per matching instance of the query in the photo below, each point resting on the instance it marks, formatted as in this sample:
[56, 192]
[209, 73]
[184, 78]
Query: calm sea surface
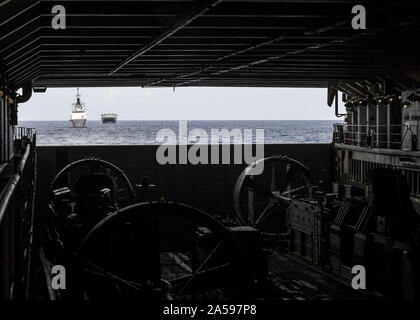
[144, 132]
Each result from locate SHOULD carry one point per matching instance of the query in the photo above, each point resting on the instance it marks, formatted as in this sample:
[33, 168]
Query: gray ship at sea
[109, 117]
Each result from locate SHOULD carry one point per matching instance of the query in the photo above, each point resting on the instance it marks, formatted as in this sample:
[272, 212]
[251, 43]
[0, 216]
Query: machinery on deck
[81, 195]
[378, 229]
[114, 247]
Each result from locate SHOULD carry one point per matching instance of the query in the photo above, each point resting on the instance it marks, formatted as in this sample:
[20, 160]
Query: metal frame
[208, 43]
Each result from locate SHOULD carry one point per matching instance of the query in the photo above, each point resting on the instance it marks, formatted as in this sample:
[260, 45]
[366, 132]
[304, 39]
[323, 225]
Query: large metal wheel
[68, 177]
[162, 250]
[262, 200]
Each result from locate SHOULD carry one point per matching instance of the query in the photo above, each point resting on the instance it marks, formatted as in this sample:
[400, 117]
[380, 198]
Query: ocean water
[144, 132]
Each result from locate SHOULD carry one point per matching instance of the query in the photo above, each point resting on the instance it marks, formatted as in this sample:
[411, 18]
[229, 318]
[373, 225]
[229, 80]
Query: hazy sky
[188, 103]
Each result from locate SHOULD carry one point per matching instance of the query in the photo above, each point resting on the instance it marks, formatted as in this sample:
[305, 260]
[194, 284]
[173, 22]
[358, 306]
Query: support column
[367, 120]
[353, 135]
[359, 128]
[377, 126]
[388, 126]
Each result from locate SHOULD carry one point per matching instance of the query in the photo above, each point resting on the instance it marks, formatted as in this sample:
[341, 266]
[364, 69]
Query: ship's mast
[78, 106]
[78, 98]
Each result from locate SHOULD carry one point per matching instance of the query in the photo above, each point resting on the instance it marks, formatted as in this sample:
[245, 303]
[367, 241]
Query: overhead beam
[317, 31]
[208, 4]
[230, 55]
[294, 53]
[230, 44]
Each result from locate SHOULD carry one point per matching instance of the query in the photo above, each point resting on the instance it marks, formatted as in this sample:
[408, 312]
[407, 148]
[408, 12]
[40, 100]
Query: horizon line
[338, 119]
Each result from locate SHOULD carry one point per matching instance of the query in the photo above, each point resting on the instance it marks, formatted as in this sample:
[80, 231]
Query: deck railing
[17, 195]
[377, 136]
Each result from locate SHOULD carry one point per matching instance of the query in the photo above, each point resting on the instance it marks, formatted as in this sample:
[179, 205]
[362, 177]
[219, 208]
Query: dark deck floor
[289, 278]
[292, 279]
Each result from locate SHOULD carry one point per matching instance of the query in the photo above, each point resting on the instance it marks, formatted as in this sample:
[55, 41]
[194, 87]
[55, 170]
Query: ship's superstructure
[376, 177]
[109, 117]
[380, 131]
[78, 117]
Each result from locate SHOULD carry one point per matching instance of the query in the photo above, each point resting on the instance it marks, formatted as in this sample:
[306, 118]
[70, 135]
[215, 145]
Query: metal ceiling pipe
[26, 93]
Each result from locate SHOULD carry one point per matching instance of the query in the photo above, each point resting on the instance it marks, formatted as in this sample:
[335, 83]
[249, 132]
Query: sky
[187, 103]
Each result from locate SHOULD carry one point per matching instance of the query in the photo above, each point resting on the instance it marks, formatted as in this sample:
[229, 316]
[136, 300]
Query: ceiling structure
[173, 43]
